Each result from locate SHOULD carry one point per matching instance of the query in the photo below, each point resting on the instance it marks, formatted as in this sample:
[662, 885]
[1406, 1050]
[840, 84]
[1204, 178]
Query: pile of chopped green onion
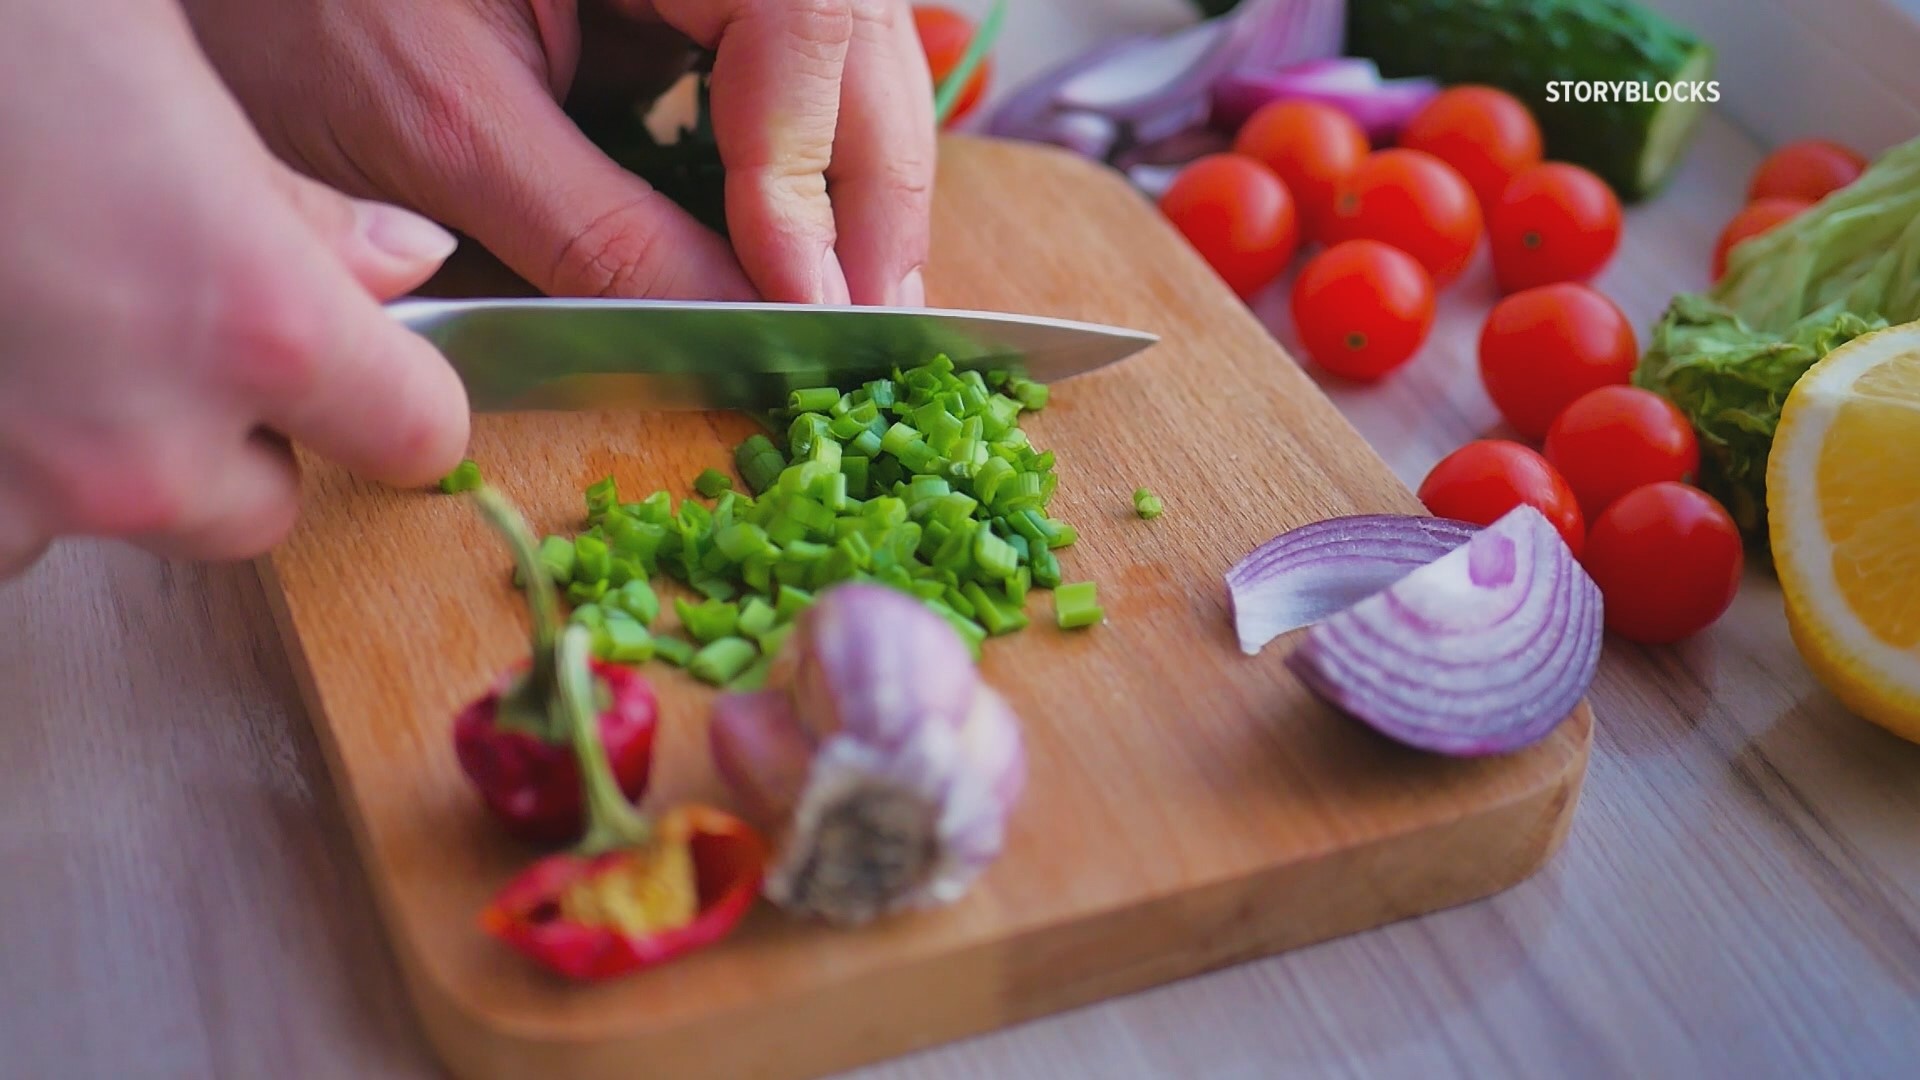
[923, 481]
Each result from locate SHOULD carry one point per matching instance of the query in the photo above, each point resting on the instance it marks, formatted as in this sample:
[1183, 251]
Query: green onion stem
[531, 705]
[612, 821]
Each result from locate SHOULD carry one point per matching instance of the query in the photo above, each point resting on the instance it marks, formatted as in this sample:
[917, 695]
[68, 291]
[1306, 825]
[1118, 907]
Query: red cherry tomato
[1542, 348]
[1238, 215]
[1483, 480]
[945, 35]
[1618, 438]
[1554, 222]
[1362, 308]
[1485, 133]
[1667, 558]
[1312, 147]
[1753, 219]
[1417, 203]
[1809, 169]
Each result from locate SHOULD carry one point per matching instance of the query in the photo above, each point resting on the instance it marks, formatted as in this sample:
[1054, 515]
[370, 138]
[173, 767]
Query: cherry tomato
[1485, 133]
[1667, 558]
[1483, 480]
[1238, 215]
[1753, 219]
[1554, 222]
[1542, 348]
[1809, 169]
[1618, 438]
[1362, 308]
[1417, 203]
[1312, 148]
[945, 35]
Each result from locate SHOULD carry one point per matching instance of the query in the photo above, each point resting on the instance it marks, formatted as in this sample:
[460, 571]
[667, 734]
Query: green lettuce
[1728, 357]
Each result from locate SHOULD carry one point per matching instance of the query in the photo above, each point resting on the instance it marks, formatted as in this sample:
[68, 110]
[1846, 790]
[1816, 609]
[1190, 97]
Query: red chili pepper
[728, 863]
[513, 742]
[633, 892]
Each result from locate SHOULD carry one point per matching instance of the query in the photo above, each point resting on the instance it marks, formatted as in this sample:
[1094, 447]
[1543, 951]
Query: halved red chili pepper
[634, 892]
[512, 742]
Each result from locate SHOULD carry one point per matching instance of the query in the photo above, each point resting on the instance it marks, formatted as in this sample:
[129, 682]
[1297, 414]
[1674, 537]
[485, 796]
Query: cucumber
[1523, 46]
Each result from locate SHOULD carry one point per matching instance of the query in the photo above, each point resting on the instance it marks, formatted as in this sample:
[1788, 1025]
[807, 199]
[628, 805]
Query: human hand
[822, 111]
[178, 304]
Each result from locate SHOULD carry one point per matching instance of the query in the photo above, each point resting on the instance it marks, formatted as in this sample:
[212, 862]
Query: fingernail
[833, 281]
[403, 234]
[913, 289]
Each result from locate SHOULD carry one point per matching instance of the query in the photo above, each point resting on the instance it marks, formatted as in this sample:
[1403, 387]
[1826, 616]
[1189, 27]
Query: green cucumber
[1534, 48]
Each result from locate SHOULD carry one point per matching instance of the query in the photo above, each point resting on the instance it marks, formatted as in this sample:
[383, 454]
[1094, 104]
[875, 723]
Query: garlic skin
[886, 767]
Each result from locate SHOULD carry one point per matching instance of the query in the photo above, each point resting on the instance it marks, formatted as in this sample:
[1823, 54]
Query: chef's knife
[540, 353]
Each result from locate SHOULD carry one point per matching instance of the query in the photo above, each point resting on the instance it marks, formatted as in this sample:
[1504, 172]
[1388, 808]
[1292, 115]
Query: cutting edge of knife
[416, 312]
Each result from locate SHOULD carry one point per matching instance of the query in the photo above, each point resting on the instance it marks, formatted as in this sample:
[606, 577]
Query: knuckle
[617, 254]
[817, 29]
[270, 337]
[134, 495]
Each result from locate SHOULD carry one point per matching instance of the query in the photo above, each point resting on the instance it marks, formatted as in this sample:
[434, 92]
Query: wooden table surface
[1739, 895]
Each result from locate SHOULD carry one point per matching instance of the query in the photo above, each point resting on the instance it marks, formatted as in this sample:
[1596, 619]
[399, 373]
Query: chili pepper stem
[530, 705]
[612, 822]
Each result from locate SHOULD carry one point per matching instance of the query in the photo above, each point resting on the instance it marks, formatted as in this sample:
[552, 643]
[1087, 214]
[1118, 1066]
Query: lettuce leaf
[1728, 357]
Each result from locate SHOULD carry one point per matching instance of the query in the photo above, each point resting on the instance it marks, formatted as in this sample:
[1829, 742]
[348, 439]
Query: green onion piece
[1077, 605]
[866, 444]
[988, 478]
[757, 570]
[714, 562]
[827, 452]
[997, 619]
[627, 642]
[759, 462]
[1059, 534]
[757, 617]
[622, 570]
[992, 556]
[790, 602]
[591, 560]
[674, 650]
[637, 599]
[711, 482]
[1016, 587]
[754, 677]
[1146, 504]
[586, 592]
[1031, 395]
[1046, 568]
[771, 641]
[806, 428]
[854, 468]
[817, 519]
[927, 588]
[708, 621]
[785, 529]
[464, 477]
[958, 601]
[898, 438]
[722, 659]
[591, 616]
[971, 632]
[715, 588]
[556, 555]
[880, 392]
[741, 540]
[813, 400]
[655, 509]
[847, 427]
[602, 496]
[922, 488]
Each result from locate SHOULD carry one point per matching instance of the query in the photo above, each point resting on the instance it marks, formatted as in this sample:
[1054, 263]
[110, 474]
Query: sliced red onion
[1157, 70]
[1380, 106]
[1153, 180]
[1306, 574]
[1033, 103]
[884, 766]
[1087, 134]
[1481, 651]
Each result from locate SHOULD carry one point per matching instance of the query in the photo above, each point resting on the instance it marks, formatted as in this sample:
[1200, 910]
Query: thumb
[531, 187]
[389, 250]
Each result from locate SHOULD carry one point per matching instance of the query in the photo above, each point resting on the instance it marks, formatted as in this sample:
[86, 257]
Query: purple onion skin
[1348, 662]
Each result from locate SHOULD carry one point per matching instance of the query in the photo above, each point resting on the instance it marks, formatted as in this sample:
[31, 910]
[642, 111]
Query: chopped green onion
[1146, 504]
[602, 496]
[757, 617]
[993, 556]
[591, 560]
[674, 650]
[714, 588]
[708, 621]
[740, 540]
[1046, 568]
[771, 640]
[637, 599]
[590, 616]
[627, 642]
[464, 477]
[722, 659]
[813, 400]
[556, 555]
[789, 602]
[997, 619]
[711, 482]
[1077, 605]
[586, 592]
[754, 677]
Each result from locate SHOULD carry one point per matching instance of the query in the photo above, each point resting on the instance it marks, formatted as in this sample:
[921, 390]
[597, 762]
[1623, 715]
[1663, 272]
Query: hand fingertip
[833, 280]
[913, 289]
[403, 235]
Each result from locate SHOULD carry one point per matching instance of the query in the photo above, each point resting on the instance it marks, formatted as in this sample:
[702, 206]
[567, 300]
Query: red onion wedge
[1380, 106]
[1306, 574]
[1482, 651]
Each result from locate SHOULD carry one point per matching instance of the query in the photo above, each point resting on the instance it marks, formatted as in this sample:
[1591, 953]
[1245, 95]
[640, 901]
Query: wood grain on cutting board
[1189, 807]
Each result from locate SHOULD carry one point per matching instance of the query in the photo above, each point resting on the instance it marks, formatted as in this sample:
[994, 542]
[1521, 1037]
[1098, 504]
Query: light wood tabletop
[1739, 894]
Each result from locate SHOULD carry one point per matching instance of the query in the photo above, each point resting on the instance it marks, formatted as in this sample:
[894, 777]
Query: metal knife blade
[552, 353]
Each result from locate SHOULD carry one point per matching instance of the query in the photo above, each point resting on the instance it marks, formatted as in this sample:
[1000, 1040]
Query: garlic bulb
[884, 764]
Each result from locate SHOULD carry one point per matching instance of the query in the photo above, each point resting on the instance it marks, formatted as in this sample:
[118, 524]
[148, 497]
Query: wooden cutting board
[1189, 807]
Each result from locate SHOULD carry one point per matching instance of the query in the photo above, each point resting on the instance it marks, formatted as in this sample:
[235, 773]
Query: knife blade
[555, 353]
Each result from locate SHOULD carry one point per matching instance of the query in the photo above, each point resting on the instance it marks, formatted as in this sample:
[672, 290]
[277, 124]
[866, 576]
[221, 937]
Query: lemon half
[1843, 503]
